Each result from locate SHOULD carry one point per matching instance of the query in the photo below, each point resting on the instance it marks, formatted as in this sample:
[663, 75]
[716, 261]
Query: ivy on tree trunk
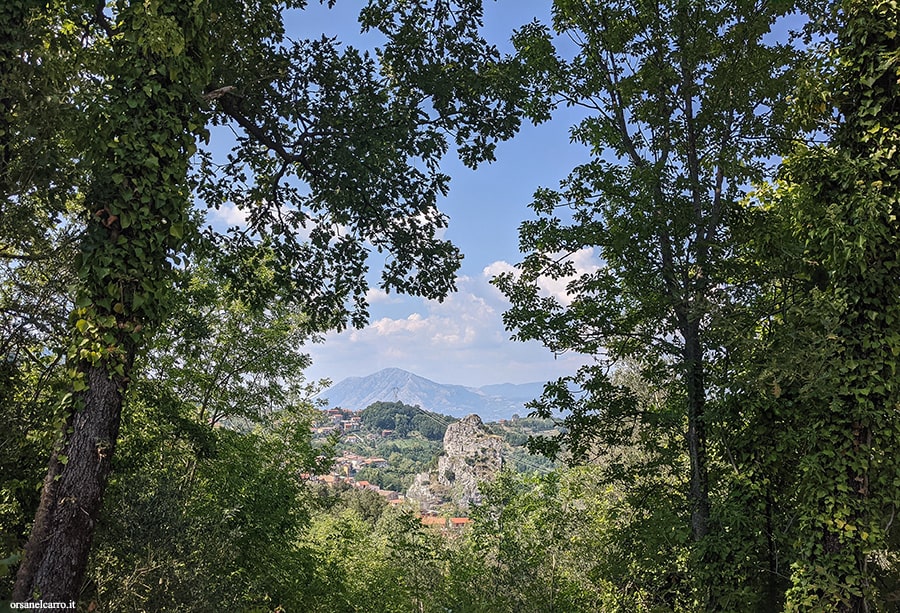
[364, 136]
[841, 202]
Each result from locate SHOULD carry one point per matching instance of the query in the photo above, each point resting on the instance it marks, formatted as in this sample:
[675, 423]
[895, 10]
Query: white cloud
[378, 296]
[495, 268]
[230, 215]
[387, 327]
[583, 260]
[460, 340]
[458, 321]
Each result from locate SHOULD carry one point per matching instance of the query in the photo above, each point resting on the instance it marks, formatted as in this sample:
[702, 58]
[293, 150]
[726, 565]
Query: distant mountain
[491, 402]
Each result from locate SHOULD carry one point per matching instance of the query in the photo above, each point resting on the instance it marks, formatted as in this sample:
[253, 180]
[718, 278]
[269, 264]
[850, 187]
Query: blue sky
[461, 340]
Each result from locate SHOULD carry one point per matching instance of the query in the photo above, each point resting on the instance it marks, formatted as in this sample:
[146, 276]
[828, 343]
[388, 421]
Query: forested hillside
[723, 262]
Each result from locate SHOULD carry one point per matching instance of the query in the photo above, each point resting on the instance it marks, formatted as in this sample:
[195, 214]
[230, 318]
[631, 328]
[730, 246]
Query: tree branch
[101, 19]
[230, 104]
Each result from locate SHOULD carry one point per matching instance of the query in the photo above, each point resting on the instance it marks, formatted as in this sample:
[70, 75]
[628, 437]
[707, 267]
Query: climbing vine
[843, 202]
[138, 197]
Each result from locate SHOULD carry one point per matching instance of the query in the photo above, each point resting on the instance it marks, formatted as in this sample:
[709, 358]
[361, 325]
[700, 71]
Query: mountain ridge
[491, 402]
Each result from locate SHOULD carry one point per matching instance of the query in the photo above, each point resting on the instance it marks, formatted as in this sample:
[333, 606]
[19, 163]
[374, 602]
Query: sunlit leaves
[682, 105]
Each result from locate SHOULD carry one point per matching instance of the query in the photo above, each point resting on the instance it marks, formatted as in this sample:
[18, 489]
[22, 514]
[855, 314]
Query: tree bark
[696, 434]
[57, 551]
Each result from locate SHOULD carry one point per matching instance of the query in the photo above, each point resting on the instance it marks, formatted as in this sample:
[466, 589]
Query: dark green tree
[233, 362]
[193, 506]
[683, 102]
[37, 245]
[399, 416]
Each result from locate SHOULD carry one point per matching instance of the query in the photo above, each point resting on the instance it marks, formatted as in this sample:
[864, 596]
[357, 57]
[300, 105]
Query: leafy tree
[37, 239]
[836, 341]
[404, 418]
[397, 567]
[684, 103]
[33, 305]
[431, 426]
[368, 504]
[200, 519]
[420, 554]
[37, 170]
[338, 156]
[231, 361]
[347, 561]
[401, 424]
[381, 415]
[564, 541]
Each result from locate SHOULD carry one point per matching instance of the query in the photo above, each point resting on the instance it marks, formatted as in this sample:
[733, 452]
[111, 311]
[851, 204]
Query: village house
[446, 525]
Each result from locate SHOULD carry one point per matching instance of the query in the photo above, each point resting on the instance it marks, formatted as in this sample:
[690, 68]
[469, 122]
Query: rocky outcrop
[471, 455]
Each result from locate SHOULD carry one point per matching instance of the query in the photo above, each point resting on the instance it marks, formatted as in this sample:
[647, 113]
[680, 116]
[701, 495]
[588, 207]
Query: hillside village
[428, 461]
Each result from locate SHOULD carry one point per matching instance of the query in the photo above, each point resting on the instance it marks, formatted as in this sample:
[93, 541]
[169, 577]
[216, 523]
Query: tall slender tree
[840, 204]
[682, 103]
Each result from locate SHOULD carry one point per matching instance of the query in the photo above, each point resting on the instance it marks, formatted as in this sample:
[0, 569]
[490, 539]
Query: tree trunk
[57, 551]
[148, 120]
[696, 434]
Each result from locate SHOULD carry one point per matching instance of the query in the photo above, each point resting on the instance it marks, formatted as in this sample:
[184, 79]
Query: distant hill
[491, 402]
